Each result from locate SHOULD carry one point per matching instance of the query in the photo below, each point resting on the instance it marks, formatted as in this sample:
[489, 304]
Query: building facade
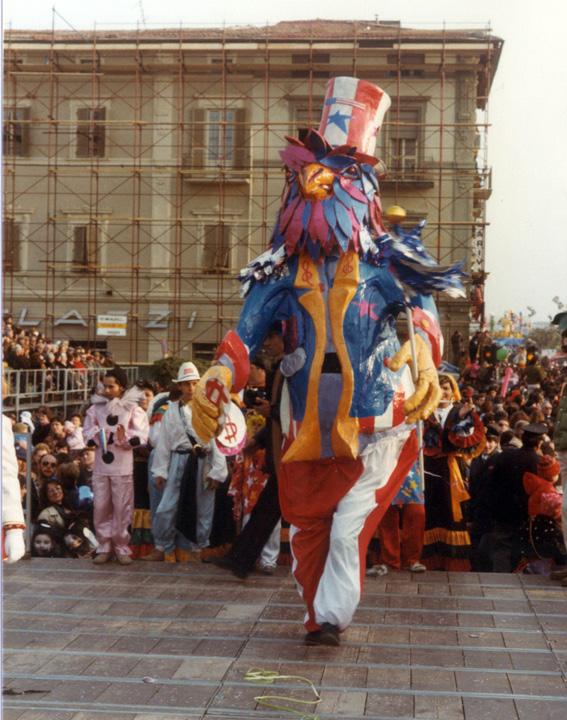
[141, 169]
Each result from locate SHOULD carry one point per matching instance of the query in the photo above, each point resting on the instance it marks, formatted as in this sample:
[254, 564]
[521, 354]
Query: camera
[251, 395]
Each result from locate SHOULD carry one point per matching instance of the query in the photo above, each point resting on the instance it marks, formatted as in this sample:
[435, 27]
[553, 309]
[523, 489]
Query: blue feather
[367, 187]
[313, 248]
[338, 162]
[342, 195]
[369, 174]
[360, 211]
[329, 212]
[343, 220]
[343, 240]
[416, 268]
[306, 214]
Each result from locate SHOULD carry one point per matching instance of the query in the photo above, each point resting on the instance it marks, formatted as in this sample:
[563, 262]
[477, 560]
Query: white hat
[187, 371]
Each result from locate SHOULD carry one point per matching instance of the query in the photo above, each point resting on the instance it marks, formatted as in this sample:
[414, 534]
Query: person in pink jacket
[115, 424]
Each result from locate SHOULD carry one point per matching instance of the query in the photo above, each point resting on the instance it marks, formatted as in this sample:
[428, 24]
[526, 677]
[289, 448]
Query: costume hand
[427, 391]
[14, 545]
[210, 396]
[120, 434]
[262, 407]
[465, 410]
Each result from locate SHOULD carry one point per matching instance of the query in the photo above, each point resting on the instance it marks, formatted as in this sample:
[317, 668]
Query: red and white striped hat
[353, 113]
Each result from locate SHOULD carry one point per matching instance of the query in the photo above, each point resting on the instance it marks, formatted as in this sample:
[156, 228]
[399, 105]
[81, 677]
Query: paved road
[153, 642]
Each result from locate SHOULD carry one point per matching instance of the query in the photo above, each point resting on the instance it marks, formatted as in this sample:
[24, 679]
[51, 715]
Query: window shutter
[241, 140]
[82, 149]
[92, 247]
[91, 134]
[80, 248]
[197, 138]
[98, 132]
[16, 132]
[210, 246]
[11, 249]
[216, 250]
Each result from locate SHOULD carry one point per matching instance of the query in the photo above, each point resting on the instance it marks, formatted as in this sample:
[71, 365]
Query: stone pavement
[159, 642]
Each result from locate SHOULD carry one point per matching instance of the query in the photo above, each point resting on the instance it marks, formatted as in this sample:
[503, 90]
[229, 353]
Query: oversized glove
[14, 545]
[425, 399]
[211, 395]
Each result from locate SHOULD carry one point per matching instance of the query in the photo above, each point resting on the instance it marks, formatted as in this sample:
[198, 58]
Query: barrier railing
[58, 388]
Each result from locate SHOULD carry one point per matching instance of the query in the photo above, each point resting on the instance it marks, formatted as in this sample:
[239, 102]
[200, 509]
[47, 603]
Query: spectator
[115, 424]
[54, 512]
[178, 451]
[506, 502]
[47, 542]
[452, 434]
[42, 423]
[542, 535]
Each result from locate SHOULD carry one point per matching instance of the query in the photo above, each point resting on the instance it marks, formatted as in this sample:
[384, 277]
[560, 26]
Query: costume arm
[218, 470]
[12, 512]
[137, 431]
[266, 304]
[91, 427]
[426, 323]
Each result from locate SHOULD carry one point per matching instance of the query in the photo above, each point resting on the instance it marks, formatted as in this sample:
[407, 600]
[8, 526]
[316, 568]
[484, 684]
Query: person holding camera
[189, 474]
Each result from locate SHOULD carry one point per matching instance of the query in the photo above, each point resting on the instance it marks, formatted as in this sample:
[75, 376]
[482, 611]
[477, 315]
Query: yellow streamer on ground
[267, 677]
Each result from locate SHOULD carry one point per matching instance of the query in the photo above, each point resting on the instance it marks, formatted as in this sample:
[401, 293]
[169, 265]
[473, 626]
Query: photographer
[189, 475]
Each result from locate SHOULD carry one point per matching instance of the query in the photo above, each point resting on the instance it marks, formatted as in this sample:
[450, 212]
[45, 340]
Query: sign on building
[111, 325]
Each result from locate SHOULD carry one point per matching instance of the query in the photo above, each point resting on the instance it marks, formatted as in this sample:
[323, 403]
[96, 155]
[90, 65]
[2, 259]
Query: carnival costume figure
[337, 280]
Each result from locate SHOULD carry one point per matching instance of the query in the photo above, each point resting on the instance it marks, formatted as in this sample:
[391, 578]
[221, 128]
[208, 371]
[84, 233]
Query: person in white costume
[13, 524]
[176, 446]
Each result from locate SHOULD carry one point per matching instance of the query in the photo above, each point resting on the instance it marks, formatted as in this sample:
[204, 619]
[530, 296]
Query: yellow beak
[316, 181]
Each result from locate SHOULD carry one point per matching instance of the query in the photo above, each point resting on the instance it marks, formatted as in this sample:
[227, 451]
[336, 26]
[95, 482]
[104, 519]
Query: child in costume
[543, 534]
[115, 424]
[338, 280]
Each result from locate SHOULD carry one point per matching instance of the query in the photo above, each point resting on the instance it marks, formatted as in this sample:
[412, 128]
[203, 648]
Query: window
[216, 249]
[204, 352]
[219, 138]
[404, 61]
[11, 242]
[91, 138]
[16, 134]
[403, 141]
[85, 248]
[220, 147]
[305, 114]
[310, 60]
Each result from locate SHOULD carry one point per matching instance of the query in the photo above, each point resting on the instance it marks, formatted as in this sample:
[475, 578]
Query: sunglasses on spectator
[51, 464]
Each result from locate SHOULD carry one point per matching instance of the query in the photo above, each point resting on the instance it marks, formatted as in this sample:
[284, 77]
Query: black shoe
[327, 635]
[227, 563]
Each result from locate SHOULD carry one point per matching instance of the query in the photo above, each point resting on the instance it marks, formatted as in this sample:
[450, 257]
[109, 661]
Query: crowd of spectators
[30, 349]
[507, 394]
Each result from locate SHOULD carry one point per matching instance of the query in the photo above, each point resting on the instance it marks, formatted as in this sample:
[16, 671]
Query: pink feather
[294, 229]
[296, 157]
[318, 225]
[352, 190]
[287, 214]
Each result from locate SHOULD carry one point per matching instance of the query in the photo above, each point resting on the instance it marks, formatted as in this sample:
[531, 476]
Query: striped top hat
[353, 113]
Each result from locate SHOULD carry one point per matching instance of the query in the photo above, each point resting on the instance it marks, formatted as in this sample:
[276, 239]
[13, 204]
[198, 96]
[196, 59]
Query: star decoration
[339, 120]
[366, 308]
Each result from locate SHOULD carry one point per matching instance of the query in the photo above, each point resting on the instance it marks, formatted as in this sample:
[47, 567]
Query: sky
[527, 142]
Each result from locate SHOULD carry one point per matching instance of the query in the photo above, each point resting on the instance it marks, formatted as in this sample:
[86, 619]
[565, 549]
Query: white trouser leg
[339, 589]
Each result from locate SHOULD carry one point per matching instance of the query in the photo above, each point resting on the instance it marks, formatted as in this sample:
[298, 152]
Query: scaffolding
[141, 167]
